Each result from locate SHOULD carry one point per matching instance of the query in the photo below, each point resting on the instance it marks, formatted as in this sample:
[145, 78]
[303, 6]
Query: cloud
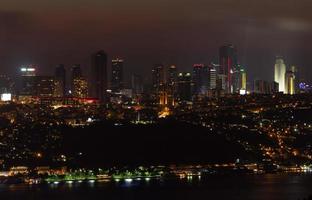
[296, 25]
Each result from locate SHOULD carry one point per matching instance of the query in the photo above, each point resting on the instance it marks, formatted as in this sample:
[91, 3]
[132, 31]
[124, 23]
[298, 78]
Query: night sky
[145, 32]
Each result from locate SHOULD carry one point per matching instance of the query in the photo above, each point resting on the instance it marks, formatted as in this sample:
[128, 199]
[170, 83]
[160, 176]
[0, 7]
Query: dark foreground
[251, 187]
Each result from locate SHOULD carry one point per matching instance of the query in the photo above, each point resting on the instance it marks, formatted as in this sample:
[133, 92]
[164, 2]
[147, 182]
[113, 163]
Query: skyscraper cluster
[285, 78]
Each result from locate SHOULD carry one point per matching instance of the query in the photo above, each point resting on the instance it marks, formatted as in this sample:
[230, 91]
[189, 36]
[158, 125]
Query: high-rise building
[76, 73]
[99, 76]
[184, 87]
[137, 84]
[212, 76]
[80, 89]
[60, 81]
[172, 75]
[290, 82]
[117, 82]
[228, 63]
[45, 86]
[158, 78]
[172, 87]
[27, 86]
[279, 73]
[200, 79]
[261, 87]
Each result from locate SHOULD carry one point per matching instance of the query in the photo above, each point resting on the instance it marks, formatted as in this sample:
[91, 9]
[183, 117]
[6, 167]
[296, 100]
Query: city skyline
[172, 32]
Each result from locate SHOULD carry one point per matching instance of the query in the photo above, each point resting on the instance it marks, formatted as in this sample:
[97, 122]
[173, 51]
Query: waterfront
[253, 187]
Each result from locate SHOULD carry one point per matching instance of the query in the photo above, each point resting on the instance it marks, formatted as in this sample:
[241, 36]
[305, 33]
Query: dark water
[254, 187]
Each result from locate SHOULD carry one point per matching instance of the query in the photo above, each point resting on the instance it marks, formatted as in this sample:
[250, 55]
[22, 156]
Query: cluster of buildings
[169, 86]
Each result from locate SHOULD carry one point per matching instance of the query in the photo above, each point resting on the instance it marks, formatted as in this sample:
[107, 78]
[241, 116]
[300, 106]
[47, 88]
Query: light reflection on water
[253, 187]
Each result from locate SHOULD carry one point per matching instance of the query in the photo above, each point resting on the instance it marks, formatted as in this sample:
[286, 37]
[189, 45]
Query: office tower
[137, 84]
[172, 80]
[99, 76]
[172, 76]
[228, 63]
[200, 79]
[290, 82]
[76, 73]
[158, 78]
[60, 81]
[80, 89]
[212, 76]
[243, 79]
[45, 86]
[294, 69]
[117, 82]
[27, 86]
[279, 73]
[261, 87]
[184, 86]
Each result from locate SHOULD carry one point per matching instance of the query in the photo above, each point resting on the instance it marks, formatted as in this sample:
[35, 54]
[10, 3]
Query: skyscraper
[80, 89]
[228, 63]
[172, 75]
[117, 82]
[290, 82]
[200, 79]
[45, 86]
[76, 73]
[184, 86]
[27, 80]
[99, 76]
[158, 78]
[60, 81]
[137, 84]
[279, 73]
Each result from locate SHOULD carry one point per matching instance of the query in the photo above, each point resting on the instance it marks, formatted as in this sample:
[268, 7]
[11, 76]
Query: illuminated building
[80, 88]
[184, 86]
[172, 85]
[45, 86]
[228, 62]
[76, 73]
[27, 86]
[99, 76]
[158, 78]
[117, 82]
[212, 77]
[200, 79]
[172, 75]
[279, 73]
[60, 81]
[290, 82]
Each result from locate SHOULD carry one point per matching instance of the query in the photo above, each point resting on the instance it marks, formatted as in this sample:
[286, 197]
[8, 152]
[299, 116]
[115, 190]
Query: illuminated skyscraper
[200, 79]
[60, 81]
[76, 73]
[228, 63]
[27, 86]
[45, 86]
[117, 82]
[279, 73]
[172, 76]
[158, 78]
[290, 82]
[80, 89]
[184, 86]
[99, 76]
